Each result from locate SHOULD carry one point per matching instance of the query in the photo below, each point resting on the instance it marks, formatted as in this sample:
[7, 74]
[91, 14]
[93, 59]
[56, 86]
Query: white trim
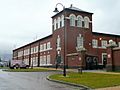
[102, 57]
[80, 17]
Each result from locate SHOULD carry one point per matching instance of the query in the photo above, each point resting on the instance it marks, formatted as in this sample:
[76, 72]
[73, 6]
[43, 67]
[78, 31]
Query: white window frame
[86, 22]
[62, 20]
[48, 59]
[104, 43]
[94, 43]
[55, 23]
[48, 45]
[59, 20]
[44, 46]
[72, 19]
[118, 44]
[79, 21]
[80, 41]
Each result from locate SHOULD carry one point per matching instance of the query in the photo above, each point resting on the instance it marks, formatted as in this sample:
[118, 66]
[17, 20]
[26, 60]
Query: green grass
[92, 80]
[4, 67]
[29, 70]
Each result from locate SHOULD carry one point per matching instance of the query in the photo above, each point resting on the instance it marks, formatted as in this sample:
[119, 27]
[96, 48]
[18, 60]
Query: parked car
[15, 64]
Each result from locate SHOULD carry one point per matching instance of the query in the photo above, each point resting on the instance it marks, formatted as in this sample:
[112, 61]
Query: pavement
[30, 81]
[37, 81]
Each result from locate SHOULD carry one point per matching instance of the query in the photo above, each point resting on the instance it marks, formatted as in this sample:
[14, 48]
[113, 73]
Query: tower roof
[73, 9]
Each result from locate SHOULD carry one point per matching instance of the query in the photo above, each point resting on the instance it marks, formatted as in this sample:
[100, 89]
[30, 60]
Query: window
[86, 22]
[48, 59]
[94, 43]
[32, 49]
[62, 20]
[31, 61]
[44, 46]
[118, 44]
[79, 21]
[36, 49]
[41, 47]
[41, 60]
[55, 24]
[26, 61]
[48, 45]
[103, 43]
[59, 22]
[80, 41]
[44, 60]
[72, 20]
[20, 53]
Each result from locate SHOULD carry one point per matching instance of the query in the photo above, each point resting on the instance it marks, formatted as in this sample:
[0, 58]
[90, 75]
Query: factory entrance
[91, 62]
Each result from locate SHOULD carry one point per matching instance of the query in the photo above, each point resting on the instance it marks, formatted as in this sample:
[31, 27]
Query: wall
[113, 60]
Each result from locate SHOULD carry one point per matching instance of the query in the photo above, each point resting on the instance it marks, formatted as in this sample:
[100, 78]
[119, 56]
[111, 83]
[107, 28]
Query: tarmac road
[30, 81]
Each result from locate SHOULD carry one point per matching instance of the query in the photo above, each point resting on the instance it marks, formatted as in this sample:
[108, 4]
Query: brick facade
[67, 34]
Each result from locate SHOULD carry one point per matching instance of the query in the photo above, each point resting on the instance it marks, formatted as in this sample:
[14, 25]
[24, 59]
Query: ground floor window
[42, 60]
[26, 61]
[48, 59]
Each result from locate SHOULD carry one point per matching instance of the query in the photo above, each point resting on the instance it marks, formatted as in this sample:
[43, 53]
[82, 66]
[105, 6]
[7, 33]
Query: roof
[105, 34]
[77, 9]
[33, 42]
[73, 9]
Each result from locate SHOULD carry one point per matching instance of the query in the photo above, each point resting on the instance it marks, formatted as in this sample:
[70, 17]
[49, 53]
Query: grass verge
[29, 70]
[92, 80]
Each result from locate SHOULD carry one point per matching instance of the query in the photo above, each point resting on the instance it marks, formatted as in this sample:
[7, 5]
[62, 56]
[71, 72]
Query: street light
[56, 10]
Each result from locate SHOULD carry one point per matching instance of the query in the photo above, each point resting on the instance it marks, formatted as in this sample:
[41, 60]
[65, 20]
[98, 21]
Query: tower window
[79, 21]
[59, 22]
[86, 22]
[72, 20]
[55, 24]
[62, 20]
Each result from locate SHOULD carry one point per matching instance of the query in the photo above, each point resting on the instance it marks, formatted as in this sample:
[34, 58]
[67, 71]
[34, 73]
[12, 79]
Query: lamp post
[64, 63]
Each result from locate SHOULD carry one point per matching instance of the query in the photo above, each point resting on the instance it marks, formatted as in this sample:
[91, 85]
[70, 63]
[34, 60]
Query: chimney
[71, 5]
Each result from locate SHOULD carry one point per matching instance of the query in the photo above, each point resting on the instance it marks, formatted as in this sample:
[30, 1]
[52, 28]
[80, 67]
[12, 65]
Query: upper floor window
[41, 47]
[118, 44]
[59, 22]
[44, 46]
[48, 45]
[80, 41]
[103, 43]
[32, 50]
[86, 22]
[36, 49]
[94, 43]
[72, 20]
[20, 53]
[79, 21]
[62, 20]
[55, 24]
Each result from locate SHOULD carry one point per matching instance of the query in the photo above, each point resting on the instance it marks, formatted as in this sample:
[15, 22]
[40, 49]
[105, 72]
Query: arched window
[55, 24]
[72, 20]
[79, 21]
[62, 20]
[59, 22]
[86, 22]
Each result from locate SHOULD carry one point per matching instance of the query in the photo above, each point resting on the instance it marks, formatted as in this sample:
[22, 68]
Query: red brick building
[71, 32]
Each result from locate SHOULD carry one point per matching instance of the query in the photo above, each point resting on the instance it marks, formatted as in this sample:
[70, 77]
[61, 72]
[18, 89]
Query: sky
[23, 21]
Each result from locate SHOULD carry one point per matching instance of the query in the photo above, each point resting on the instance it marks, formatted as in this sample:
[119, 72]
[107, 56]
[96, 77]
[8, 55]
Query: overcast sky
[21, 21]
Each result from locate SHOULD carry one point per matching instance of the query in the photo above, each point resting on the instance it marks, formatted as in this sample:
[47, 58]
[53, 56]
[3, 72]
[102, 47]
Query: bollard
[80, 70]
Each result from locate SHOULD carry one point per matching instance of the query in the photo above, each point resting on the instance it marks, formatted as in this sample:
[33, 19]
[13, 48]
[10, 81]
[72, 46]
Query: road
[30, 81]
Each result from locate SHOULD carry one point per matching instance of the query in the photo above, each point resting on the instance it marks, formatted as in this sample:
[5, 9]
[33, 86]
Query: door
[104, 59]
